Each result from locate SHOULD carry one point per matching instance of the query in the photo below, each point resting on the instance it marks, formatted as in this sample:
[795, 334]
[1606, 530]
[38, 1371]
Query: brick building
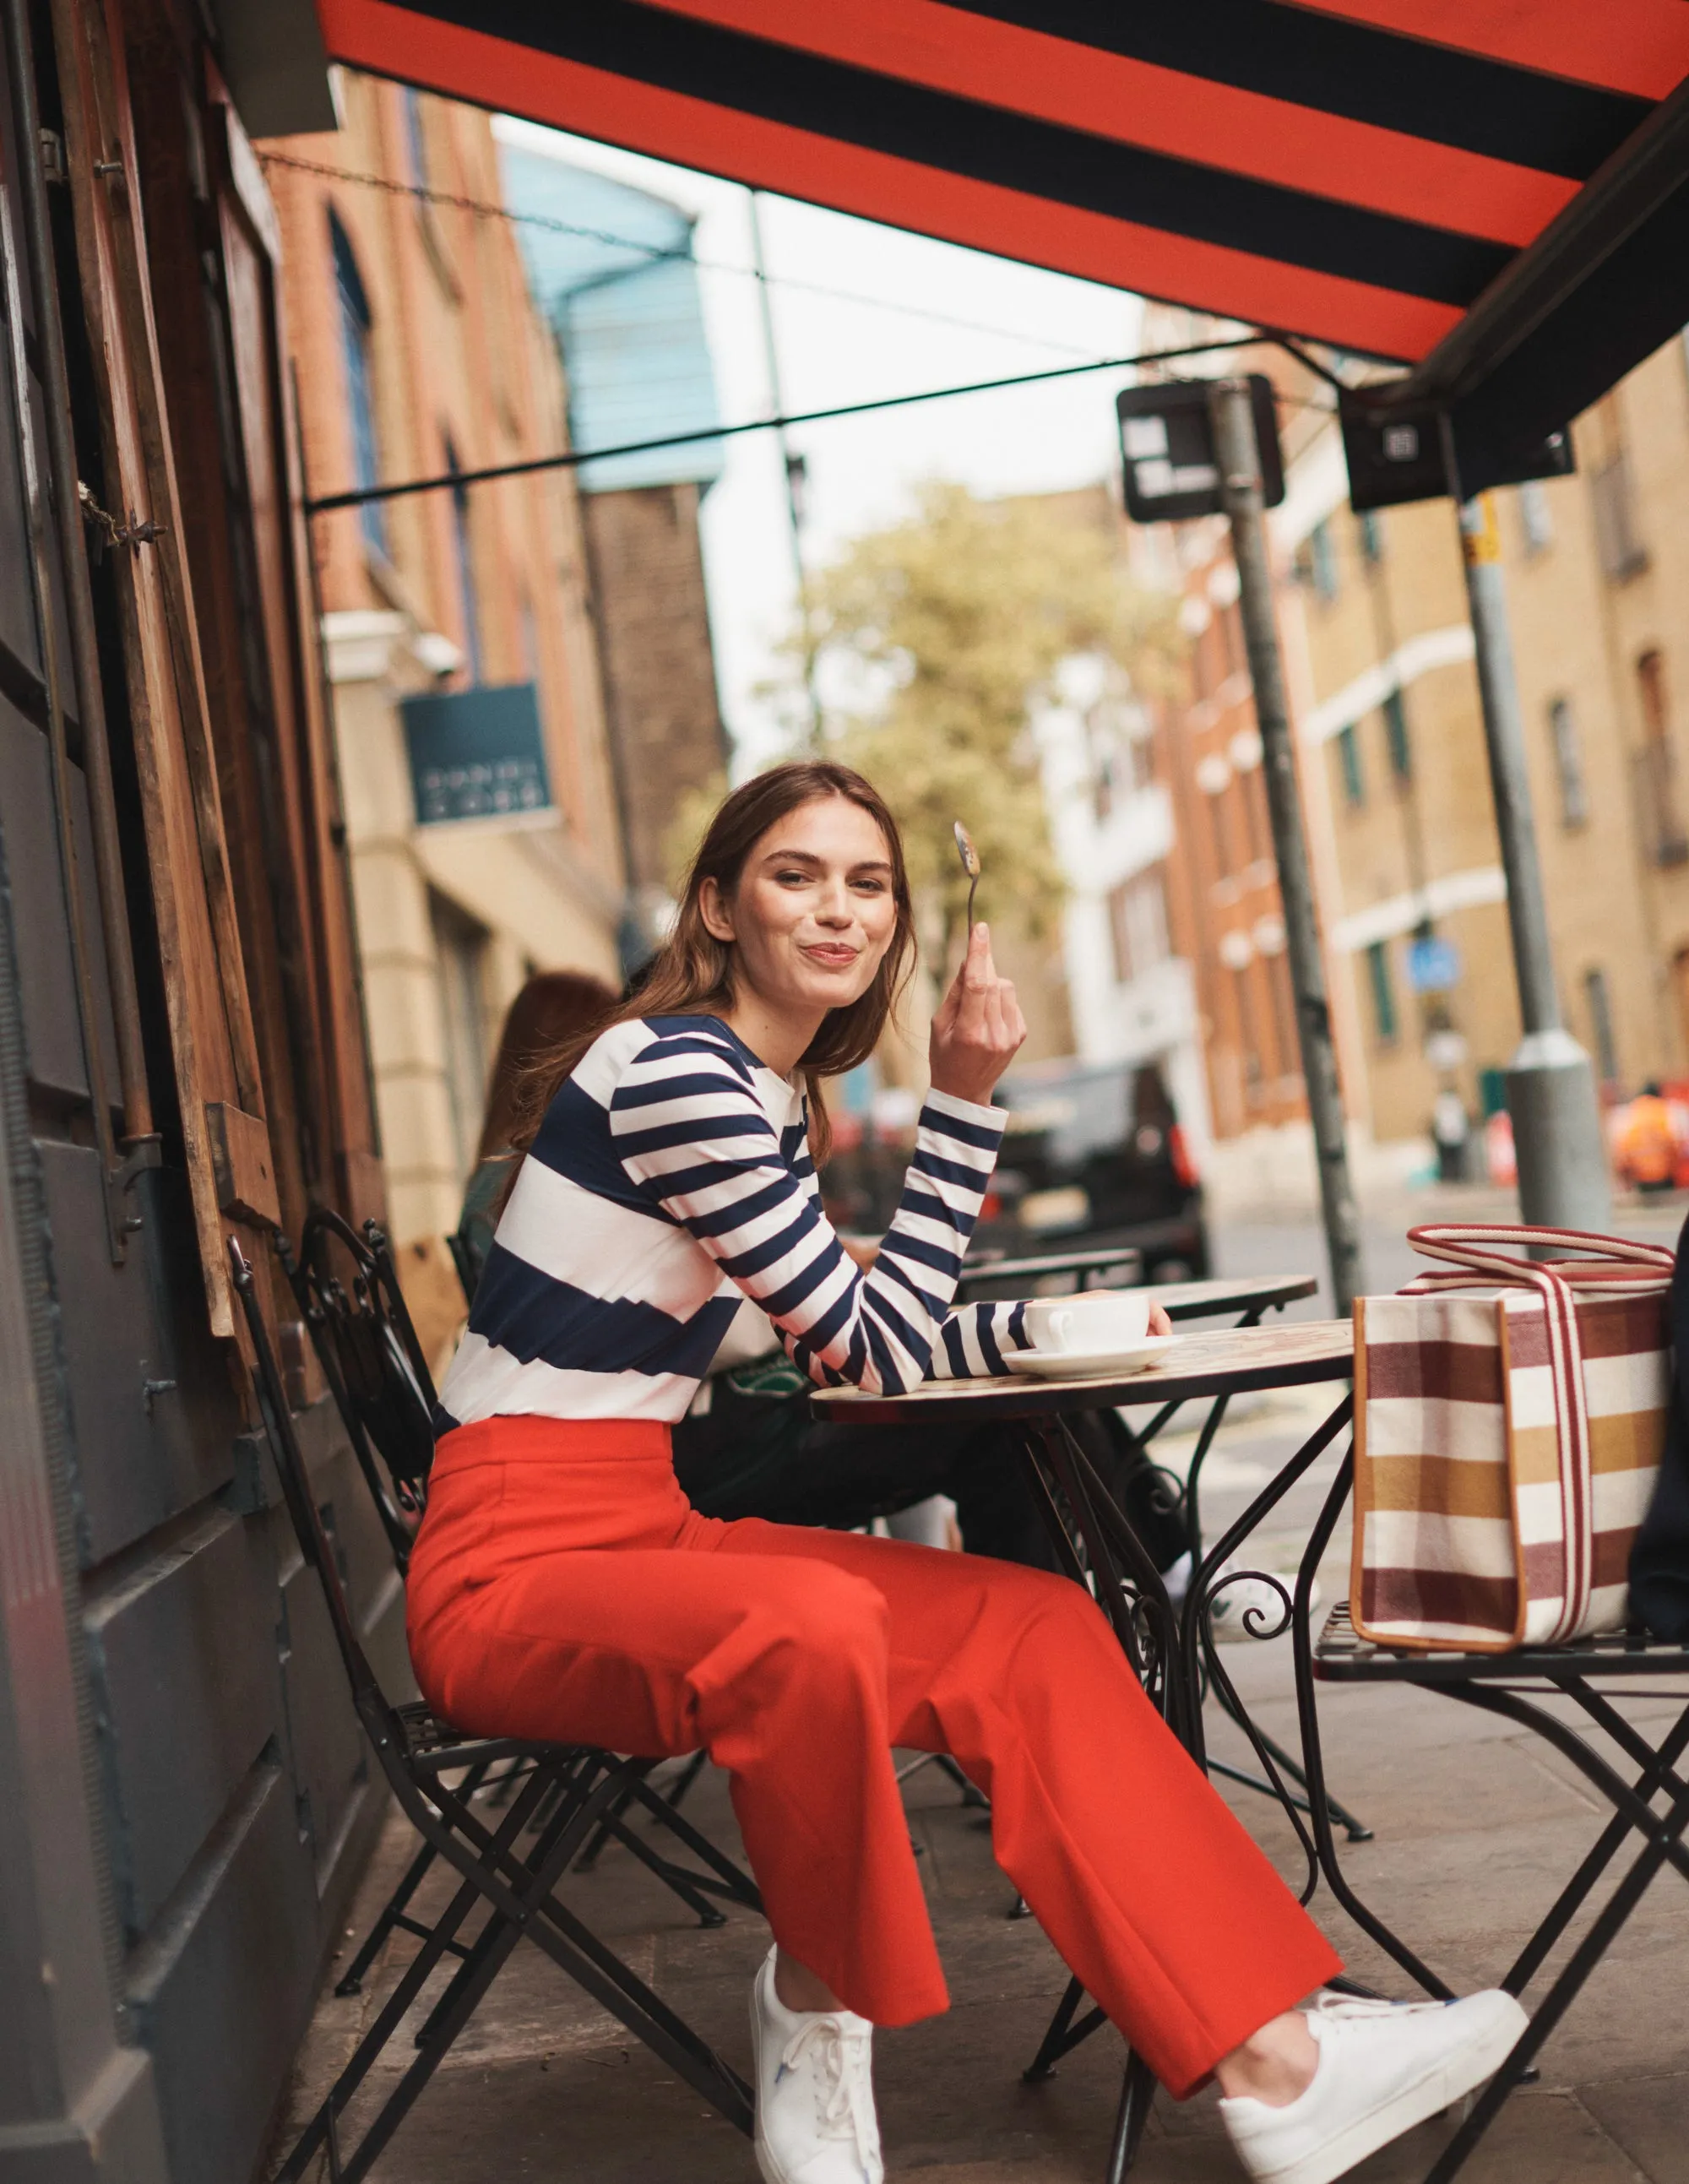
[480, 801]
[1379, 661]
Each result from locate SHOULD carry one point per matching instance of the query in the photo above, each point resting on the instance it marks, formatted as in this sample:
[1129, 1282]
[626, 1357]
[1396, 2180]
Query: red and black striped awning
[1495, 192]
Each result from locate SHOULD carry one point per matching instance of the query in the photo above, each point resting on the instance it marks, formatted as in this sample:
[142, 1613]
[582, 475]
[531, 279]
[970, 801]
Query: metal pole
[1239, 467]
[1557, 1139]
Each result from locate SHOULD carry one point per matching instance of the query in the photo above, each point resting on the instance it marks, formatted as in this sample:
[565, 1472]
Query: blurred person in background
[554, 1007]
[1647, 1143]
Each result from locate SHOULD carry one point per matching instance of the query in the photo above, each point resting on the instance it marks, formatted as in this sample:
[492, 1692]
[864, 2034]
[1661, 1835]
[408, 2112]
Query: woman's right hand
[978, 1028]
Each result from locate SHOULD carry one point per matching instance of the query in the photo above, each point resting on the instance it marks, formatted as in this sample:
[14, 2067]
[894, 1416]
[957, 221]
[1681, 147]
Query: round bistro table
[1171, 1650]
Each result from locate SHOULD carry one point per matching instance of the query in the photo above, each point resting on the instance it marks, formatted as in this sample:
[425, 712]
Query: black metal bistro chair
[1646, 1785]
[347, 1288]
[510, 1869]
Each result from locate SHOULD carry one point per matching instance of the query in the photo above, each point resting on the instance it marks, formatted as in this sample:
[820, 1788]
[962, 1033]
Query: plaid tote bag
[1509, 1418]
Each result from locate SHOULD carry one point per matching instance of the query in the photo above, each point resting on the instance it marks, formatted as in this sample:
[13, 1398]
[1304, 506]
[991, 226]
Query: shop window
[1569, 768]
[1394, 710]
[1349, 761]
[1383, 990]
[355, 324]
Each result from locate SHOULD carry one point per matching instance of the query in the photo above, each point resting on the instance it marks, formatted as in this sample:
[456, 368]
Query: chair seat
[437, 1745]
[1341, 1655]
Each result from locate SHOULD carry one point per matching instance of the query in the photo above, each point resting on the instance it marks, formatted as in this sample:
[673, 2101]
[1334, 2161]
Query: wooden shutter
[230, 1172]
[251, 248]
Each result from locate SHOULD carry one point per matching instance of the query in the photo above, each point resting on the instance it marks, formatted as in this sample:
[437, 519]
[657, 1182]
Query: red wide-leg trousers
[563, 1588]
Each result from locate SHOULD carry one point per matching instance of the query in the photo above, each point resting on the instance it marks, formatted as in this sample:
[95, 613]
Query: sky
[909, 314]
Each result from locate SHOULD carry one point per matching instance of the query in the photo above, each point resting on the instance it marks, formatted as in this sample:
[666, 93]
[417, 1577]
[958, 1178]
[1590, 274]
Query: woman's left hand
[1159, 1322]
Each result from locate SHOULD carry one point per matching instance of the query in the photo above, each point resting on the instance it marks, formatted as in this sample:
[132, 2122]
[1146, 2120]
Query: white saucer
[1089, 1364]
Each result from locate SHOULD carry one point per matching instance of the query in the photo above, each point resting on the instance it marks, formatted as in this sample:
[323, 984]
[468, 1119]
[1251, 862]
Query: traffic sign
[1166, 449]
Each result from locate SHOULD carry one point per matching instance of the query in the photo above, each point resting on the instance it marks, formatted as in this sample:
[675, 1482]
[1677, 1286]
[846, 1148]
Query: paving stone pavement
[1476, 1826]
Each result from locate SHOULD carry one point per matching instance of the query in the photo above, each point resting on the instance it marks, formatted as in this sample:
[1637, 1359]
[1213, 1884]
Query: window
[1622, 552]
[1536, 519]
[461, 958]
[353, 305]
[1372, 535]
[1383, 993]
[1601, 1025]
[1223, 855]
[463, 559]
[415, 139]
[1395, 712]
[1563, 732]
[1248, 1035]
[1258, 820]
[1349, 759]
[1651, 683]
[1212, 776]
[1663, 834]
[1231, 631]
[1137, 918]
[1284, 1015]
[1322, 561]
[1203, 661]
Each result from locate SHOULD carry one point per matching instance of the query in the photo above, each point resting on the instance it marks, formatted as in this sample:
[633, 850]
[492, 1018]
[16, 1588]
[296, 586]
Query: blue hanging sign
[476, 754]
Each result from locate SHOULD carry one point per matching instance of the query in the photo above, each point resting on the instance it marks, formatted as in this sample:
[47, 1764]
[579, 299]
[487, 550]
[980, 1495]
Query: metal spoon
[970, 864]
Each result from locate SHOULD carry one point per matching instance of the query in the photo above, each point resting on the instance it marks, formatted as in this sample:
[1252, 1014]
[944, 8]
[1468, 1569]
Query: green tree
[944, 633]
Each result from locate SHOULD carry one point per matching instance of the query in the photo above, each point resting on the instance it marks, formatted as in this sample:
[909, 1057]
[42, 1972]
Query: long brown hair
[553, 1007]
[692, 974]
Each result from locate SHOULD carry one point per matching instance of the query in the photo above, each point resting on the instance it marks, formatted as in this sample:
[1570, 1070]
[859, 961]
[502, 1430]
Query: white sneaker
[815, 2094]
[1384, 2066]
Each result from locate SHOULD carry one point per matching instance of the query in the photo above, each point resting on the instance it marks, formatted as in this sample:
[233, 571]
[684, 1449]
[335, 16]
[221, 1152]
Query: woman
[563, 1588]
[553, 1010]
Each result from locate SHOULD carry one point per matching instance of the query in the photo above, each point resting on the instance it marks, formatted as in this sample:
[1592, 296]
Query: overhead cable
[572, 457]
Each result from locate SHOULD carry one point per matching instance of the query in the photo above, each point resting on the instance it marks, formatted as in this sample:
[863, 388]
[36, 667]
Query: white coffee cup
[1100, 1320]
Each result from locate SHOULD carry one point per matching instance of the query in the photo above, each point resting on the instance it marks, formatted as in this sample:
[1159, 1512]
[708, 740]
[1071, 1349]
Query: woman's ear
[713, 909]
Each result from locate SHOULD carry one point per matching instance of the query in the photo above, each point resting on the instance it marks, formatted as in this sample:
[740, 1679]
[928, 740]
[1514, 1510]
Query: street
[1476, 1826]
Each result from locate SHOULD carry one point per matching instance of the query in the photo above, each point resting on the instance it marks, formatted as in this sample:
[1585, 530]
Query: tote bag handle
[1616, 1266]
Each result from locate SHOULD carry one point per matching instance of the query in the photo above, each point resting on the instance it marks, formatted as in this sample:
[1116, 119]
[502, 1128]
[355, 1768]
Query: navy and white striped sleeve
[694, 1139]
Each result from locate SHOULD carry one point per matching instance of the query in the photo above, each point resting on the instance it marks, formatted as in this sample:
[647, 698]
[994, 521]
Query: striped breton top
[669, 1180]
